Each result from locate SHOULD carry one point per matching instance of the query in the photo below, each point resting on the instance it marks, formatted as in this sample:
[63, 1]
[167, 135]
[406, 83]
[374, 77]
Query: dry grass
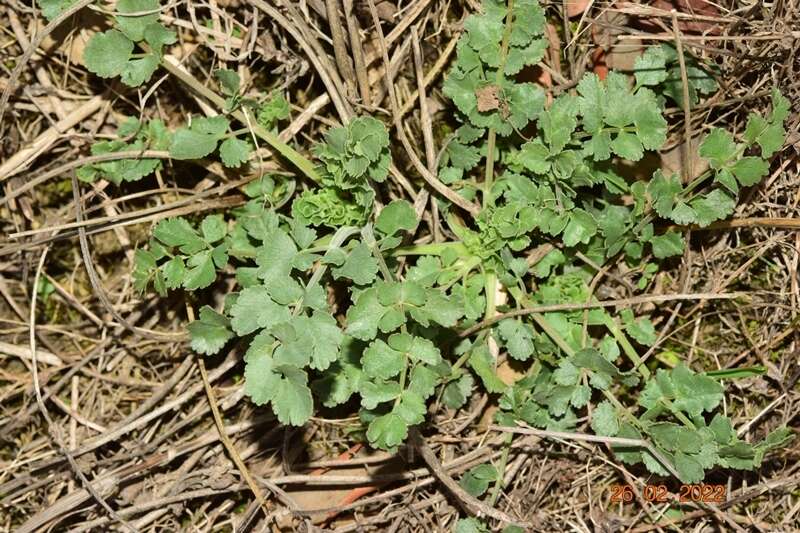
[112, 428]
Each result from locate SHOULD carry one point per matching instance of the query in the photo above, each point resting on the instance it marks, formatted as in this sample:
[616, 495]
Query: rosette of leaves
[328, 206]
[351, 157]
[111, 53]
[390, 344]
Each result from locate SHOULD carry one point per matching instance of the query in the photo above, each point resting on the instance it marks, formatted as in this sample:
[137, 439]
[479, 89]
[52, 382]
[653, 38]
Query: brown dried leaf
[576, 7]
[488, 98]
[692, 7]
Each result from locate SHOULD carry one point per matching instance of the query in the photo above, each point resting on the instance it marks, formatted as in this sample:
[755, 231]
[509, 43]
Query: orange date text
[659, 493]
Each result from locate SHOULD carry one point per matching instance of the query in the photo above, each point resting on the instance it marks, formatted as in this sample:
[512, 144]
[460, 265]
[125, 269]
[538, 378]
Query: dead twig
[471, 504]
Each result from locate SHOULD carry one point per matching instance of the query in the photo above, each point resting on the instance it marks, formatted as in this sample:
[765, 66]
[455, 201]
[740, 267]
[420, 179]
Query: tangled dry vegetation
[118, 425]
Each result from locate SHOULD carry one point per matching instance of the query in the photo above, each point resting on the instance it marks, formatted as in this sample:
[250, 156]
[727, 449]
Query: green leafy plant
[197, 140]
[134, 137]
[111, 53]
[333, 307]
[659, 67]
[53, 8]
[272, 110]
[351, 158]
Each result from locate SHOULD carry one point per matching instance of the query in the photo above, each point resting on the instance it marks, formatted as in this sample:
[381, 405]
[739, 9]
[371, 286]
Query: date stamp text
[660, 494]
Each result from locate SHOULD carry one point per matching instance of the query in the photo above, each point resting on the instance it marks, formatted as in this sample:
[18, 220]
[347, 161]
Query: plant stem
[542, 322]
[432, 249]
[679, 415]
[369, 240]
[501, 468]
[629, 350]
[336, 241]
[488, 201]
[490, 289]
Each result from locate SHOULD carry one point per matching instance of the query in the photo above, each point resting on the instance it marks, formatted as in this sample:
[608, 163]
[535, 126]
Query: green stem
[680, 416]
[341, 235]
[432, 249]
[629, 350]
[501, 468]
[613, 399]
[542, 322]
[369, 240]
[487, 182]
[490, 290]
[466, 267]
[488, 201]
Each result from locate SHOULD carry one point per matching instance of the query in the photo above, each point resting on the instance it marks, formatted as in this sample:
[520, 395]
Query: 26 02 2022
[696, 492]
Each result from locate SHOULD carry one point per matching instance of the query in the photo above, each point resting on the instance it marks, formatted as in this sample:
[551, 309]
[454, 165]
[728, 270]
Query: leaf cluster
[111, 53]
[133, 137]
[351, 157]
[335, 311]
[201, 138]
[659, 67]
